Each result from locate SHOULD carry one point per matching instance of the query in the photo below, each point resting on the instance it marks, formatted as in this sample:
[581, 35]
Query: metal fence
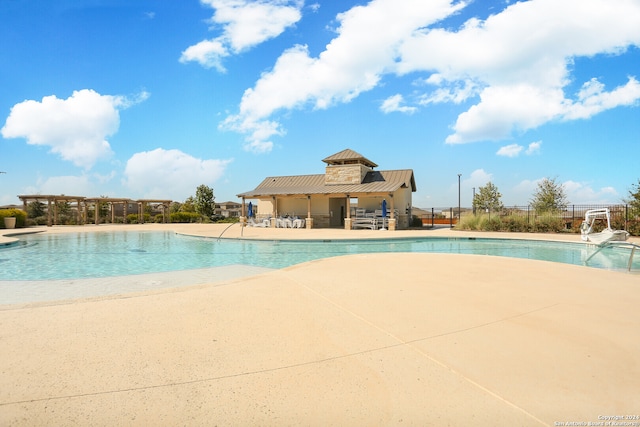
[572, 215]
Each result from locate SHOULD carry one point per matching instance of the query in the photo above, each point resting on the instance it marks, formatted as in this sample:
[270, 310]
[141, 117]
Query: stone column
[309, 220]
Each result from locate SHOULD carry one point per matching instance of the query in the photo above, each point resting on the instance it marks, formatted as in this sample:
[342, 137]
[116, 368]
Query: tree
[488, 197]
[36, 209]
[175, 207]
[204, 202]
[634, 196]
[549, 196]
[188, 205]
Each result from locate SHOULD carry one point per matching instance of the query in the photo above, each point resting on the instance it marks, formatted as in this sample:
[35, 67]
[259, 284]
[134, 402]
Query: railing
[628, 245]
[623, 216]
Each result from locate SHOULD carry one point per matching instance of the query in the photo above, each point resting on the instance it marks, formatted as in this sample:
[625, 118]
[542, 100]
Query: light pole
[459, 175]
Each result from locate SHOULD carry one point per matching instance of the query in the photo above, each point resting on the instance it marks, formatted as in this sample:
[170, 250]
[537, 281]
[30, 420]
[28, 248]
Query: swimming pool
[118, 253]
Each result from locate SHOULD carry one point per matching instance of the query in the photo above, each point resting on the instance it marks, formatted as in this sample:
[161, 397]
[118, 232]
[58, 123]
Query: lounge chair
[364, 220]
[253, 223]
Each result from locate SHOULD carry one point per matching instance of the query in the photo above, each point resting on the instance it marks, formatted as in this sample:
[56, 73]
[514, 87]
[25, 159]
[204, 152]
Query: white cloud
[75, 128]
[533, 148]
[593, 99]
[245, 23]
[578, 193]
[456, 92]
[69, 185]
[512, 150]
[352, 62]
[520, 58]
[170, 174]
[393, 104]
[583, 193]
[208, 53]
[516, 62]
[478, 178]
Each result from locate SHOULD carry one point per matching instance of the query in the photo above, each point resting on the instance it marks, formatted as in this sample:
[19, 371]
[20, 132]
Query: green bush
[516, 223]
[19, 214]
[185, 217]
[229, 220]
[548, 224]
[493, 224]
[416, 221]
[633, 227]
[470, 222]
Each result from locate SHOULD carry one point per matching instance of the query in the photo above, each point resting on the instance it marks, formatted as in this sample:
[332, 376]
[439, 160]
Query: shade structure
[384, 214]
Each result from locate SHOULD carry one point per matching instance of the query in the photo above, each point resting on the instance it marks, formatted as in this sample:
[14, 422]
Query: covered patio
[350, 193]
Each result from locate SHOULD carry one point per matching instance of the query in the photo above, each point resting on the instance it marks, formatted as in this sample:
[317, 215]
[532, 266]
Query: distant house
[228, 209]
[329, 199]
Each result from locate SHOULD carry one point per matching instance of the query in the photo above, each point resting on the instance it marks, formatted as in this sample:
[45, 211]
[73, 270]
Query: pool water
[106, 254]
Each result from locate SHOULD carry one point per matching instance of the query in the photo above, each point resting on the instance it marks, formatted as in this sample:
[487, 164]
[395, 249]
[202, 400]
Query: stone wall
[345, 174]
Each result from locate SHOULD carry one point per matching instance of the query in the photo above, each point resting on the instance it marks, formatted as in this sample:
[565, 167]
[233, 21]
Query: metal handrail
[223, 231]
[630, 245]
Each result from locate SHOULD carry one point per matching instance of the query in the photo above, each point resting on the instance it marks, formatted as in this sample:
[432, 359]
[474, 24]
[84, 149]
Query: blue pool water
[105, 254]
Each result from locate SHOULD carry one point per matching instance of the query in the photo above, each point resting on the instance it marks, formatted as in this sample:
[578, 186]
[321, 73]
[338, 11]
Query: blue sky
[149, 99]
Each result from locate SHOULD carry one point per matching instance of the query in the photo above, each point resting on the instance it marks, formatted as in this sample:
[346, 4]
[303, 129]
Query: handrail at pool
[230, 225]
[618, 244]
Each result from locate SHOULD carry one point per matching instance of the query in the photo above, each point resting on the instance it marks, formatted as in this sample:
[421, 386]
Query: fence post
[626, 217]
[432, 220]
[450, 217]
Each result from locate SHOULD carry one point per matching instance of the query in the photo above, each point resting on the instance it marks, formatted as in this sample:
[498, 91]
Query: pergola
[54, 199]
[83, 203]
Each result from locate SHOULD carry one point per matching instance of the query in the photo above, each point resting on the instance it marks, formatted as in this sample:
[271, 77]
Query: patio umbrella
[250, 214]
[384, 213]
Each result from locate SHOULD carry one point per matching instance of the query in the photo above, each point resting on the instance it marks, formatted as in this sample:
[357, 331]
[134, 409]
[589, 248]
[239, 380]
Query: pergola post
[78, 211]
[141, 207]
[55, 211]
[274, 212]
[243, 216]
[347, 220]
[392, 216]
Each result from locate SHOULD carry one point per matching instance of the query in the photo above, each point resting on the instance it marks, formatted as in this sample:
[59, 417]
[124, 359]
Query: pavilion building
[349, 186]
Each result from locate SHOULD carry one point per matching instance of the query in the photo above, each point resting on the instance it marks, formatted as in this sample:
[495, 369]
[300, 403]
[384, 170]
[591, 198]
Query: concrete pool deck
[359, 340]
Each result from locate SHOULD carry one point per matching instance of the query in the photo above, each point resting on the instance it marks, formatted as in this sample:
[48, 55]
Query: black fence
[623, 216]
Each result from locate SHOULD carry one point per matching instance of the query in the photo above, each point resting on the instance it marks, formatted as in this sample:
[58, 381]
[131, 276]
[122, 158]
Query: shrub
[185, 217]
[471, 222]
[516, 223]
[229, 220]
[19, 214]
[493, 224]
[548, 224]
[633, 227]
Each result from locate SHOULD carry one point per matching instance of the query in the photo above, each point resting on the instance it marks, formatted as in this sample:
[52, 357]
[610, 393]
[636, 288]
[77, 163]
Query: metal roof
[373, 182]
[348, 156]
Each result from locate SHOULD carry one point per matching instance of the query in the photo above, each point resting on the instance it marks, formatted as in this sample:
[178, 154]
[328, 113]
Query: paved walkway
[359, 340]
